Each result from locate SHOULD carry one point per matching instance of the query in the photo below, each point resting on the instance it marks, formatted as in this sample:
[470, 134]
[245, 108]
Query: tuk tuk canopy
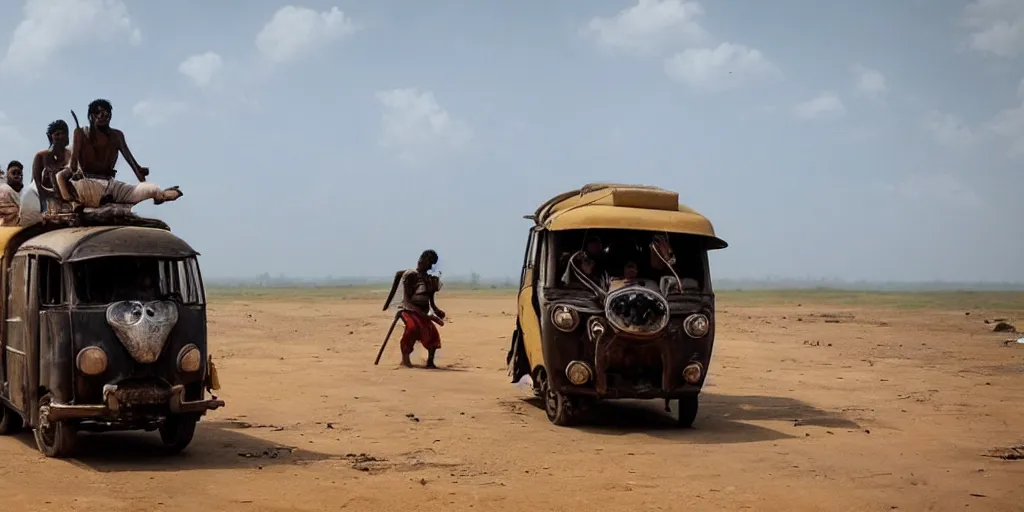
[615, 206]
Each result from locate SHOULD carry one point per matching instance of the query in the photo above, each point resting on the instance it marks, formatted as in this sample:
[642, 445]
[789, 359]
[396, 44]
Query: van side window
[51, 282]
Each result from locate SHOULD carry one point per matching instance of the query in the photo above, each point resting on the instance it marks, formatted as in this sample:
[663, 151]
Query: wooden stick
[380, 352]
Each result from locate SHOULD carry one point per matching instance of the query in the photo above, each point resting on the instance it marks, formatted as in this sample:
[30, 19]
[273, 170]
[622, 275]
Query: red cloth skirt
[419, 328]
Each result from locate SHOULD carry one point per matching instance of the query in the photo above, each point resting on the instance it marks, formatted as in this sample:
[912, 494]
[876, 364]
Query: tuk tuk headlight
[696, 325]
[91, 360]
[189, 359]
[565, 318]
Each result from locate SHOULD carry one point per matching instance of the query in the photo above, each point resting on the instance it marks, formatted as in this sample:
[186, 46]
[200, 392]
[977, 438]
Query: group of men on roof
[76, 170]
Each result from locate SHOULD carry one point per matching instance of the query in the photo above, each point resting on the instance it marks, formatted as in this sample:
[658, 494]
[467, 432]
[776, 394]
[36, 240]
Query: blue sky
[878, 139]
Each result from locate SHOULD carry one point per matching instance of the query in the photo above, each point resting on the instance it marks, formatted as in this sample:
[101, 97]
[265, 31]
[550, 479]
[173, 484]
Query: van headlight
[696, 325]
[189, 359]
[565, 318]
[91, 360]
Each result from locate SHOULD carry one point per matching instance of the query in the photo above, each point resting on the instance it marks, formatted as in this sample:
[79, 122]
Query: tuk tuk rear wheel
[177, 431]
[559, 407]
[686, 410]
[10, 421]
[58, 438]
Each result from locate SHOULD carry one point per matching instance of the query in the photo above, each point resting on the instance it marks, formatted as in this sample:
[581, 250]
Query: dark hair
[54, 127]
[429, 255]
[15, 163]
[98, 104]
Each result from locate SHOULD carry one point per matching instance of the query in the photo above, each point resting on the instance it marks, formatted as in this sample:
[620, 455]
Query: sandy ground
[808, 408]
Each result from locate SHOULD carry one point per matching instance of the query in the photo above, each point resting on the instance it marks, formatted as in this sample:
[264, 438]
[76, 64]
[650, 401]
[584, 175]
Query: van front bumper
[116, 401]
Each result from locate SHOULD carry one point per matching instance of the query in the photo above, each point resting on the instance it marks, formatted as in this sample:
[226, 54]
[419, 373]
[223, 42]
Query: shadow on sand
[217, 445]
[721, 419]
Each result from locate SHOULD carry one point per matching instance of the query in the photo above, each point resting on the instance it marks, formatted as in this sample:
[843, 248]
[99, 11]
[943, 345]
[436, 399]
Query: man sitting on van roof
[10, 195]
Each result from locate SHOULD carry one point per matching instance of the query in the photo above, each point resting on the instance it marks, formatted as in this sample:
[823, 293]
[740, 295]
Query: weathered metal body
[104, 329]
[638, 341]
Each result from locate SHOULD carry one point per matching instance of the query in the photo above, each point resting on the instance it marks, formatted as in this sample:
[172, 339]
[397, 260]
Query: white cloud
[49, 26]
[997, 26]
[728, 66]
[295, 31]
[942, 188]
[1009, 124]
[822, 105]
[648, 25]
[417, 128]
[870, 82]
[948, 130]
[155, 112]
[201, 69]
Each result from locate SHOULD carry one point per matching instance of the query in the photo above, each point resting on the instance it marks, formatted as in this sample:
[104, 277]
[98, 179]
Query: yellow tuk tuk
[615, 300]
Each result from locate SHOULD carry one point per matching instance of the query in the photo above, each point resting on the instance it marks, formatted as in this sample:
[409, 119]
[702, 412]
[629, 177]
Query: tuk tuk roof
[618, 206]
[82, 243]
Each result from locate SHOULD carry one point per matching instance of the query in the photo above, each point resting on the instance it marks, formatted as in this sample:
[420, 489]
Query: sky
[875, 140]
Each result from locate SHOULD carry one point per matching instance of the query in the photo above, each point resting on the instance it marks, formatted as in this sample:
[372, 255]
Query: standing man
[48, 162]
[418, 289]
[10, 195]
[94, 152]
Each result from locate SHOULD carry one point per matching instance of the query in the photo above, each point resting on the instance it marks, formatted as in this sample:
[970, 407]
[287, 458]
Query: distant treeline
[474, 281]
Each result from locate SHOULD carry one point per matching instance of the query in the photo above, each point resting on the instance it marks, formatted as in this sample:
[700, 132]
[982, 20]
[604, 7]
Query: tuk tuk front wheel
[559, 407]
[10, 421]
[686, 410]
[177, 431]
[56, 439]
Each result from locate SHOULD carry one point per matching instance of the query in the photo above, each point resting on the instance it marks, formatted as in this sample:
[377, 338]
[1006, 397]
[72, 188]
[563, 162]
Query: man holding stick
[418, 289]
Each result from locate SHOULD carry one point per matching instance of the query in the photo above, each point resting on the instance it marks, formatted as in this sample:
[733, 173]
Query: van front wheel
[177, 431]
[58, 438]
[559, 407]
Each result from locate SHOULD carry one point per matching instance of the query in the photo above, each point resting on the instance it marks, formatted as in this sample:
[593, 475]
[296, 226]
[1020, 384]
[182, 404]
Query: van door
[16, 332]
[529, 319]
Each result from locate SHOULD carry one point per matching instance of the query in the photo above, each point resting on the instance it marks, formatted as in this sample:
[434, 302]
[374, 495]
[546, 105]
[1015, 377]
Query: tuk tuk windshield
[608, 255]
[116, 278]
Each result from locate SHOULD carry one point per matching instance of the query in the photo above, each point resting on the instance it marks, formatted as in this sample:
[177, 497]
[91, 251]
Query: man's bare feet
[169, 194]
[405, 361]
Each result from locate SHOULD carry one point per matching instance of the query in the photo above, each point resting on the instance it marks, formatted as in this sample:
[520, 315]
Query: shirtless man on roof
[94, 153]
[48, 162]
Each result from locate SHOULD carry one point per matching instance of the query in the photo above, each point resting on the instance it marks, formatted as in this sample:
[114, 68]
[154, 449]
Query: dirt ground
[809, 407]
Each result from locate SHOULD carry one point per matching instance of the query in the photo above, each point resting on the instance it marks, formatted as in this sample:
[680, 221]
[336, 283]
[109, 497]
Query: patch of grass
[951, 301]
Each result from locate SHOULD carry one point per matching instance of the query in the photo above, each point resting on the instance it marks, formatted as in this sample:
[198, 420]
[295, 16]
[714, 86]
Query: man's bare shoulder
[43, 153]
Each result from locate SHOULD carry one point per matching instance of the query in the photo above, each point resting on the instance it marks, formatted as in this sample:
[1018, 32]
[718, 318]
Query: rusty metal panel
[16, 335]
[76, 244]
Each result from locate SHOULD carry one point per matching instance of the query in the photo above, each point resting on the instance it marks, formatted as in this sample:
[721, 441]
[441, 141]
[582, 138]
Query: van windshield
[117, 278]
[606, 256]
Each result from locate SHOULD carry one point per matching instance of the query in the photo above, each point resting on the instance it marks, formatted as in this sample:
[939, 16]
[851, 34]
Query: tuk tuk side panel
[91, 329]
[529, 320]
[16, 334]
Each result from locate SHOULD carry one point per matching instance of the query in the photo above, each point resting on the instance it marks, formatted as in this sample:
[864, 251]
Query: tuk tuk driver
[418, 289]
